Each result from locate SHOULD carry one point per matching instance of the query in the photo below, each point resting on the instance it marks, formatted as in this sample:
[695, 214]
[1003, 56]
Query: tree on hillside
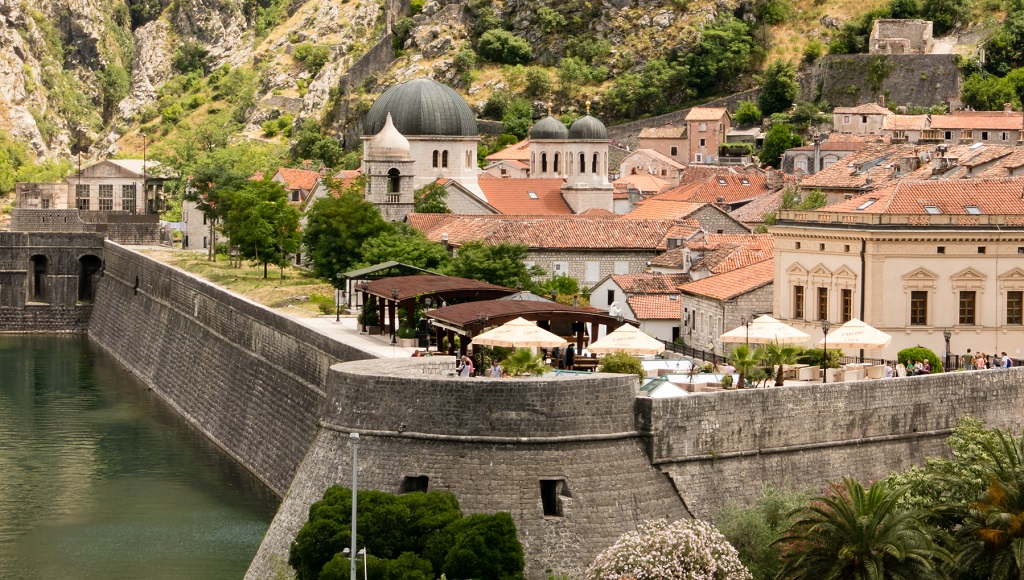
[779, 138]
[431, 199]
[402, 243]
[262, 223]
[114, 85]
[947, 14]
[501, 264]
[337, 227]
[747, 114]
[725, 50]
[778, 87]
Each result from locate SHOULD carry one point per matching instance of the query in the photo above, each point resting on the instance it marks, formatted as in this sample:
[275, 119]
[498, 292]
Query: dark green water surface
[99, 478]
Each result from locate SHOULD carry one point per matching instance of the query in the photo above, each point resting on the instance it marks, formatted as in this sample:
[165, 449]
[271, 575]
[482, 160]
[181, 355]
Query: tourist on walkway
[1007, 361]
[495, 371]
[888, 370]
[466, 370]
[926, 367]
[570, 356]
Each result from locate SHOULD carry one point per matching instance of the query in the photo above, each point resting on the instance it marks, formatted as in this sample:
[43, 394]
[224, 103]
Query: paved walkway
[347, 332]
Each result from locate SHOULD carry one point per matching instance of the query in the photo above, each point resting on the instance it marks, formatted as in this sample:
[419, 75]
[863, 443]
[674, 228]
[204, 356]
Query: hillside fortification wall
[250, 379]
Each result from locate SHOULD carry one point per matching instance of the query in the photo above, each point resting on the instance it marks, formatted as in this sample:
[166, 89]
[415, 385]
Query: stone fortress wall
[250, 379]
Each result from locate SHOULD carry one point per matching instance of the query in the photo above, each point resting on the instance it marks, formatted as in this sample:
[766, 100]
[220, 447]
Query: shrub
[812, 356]
[270, 128]
[369, 316]
[772, 12]
[504, 47]
[726, 381]
[401, 31]
[813, 51]
[658, 549]
[522, 362]
[190, 56]
[747, 113]
[621, 363]
[915, 353]
[172, 114]
[149, 112]
[406, 331]
[751, 530]
[538, 82]
[324, 303]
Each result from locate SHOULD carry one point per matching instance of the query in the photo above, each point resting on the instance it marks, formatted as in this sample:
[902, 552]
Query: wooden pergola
[408, 292]
[470, 319]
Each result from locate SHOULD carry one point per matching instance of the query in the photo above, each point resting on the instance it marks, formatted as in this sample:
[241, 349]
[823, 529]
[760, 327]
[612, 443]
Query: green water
[99, 478]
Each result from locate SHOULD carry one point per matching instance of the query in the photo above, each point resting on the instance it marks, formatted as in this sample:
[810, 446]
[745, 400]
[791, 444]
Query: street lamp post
[337, 298]
[825, 325]
[355, 485]
[746, 320]
[428, 302]
[947, 334]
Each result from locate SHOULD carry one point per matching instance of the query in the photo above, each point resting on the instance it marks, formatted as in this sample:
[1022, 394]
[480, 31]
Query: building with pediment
[913, 259]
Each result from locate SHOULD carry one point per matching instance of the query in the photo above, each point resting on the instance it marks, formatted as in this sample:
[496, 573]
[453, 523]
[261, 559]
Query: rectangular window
[675, 151]
[798, 245]
[703, 142]
[560, 268]
[82, 203]
[703, 126]
[846, 118]
[611, 297]
[82, 190]
[822, 303]
[798, 302]
[128, 197]
[1004, 135]
[847, 305]
[697, 157]
[1015, 307]
[550, 493]
[948, 135]
[106, 197]
[411, 484]
[593, 272]
[863, 118]
[981, 249]
[941, 249]
[919, 308]
[984, 135]
[622, 267]
[967, 307]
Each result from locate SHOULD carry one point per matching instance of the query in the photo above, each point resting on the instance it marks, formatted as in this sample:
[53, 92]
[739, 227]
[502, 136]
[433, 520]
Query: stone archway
[38, 266]
[89, 267]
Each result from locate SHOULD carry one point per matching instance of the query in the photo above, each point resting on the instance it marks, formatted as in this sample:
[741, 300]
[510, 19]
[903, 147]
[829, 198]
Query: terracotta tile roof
[1009, 165]
[668, 131]
[700, 173]
[643, 182]
[297, 178]
[706, 114]
[425, 221]
[660, 307]
[711, 241]
[989, 196]
[734, 283]
[833, 146]
[720, 189]
[674, 258]
[420, 284]
[516, 152]
[597, 214]
[513, 196]
[753, 212]
[856, 169]
[552, 232]
[727, 252]
[964, 120]
[906, 122]
[654, 208]
[865, 109]
[658, 156]
[649, 283]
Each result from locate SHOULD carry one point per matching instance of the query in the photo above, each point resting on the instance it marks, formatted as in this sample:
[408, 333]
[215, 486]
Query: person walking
[495, 370]
[570, 356]
[1007, 361]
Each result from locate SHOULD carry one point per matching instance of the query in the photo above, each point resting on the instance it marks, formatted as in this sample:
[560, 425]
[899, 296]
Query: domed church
[415, 133]
[578, 154]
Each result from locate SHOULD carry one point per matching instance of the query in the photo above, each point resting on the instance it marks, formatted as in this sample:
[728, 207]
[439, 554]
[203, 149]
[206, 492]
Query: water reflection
[100, 479]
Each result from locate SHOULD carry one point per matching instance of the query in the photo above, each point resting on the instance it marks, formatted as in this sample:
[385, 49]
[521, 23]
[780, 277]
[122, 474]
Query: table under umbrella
[856, 334]
[519, 333]
[627, 338]
[765, 329]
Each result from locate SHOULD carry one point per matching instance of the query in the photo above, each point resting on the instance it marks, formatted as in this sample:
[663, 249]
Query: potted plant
[407, 336]
[369, 316]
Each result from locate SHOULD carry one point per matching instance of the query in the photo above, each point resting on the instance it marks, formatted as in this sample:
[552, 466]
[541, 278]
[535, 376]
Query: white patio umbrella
[519, 333]
[627, 338]
[765, 329]
[856, 334]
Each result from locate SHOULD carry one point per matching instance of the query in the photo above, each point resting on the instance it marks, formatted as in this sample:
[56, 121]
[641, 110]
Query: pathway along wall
[723, 447]
[498, 445]
[250, 379]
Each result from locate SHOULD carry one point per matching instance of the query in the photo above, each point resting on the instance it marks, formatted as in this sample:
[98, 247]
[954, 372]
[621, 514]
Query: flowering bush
[691, 549]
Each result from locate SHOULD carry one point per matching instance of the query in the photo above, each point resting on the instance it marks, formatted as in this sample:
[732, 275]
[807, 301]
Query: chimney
[1007, 108]
[324, 170]
[307, 164]
[817, 154]
[881, 100]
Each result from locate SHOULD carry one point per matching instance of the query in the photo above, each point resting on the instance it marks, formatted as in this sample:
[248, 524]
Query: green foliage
[401, 32]
[431, 199]
[415, 6]
[114, 84]
[986, 92]
[736, 148]
[778, 87]
[589, 48]
[46, 172]
[369, 315]
[313, 56]
[812, 356]
[879, 69]
[143, 11]
[190, 57]
[486, 20]
[484, 546]
[465, 62]
[564, 284]
[813, 51]
[538, 82]
[1005, 50]
[855, 533]
[852, 37]
[813, 200]
[517, 117]
[501, 264]
[747, 113]
[504, 47]
[660, 86]
[779, 138]
[336, 229]
[904, 9]
[261, 222]
[401, 243]
[172, 115]
[751, 530]
[550, 20]
[270, 128]
[773, 12]
[324, 303]
[621, 363]
[726, 49]
[907, 357]
[775, 355]
[523, 361]
[946, 14]
[745, 363]
[806, 113]
[14, 155]
[311, 143]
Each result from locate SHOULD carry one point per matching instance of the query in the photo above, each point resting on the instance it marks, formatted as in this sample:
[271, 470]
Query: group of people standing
[981, 360]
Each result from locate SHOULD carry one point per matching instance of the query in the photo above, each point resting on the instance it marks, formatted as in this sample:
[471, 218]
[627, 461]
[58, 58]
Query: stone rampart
[250, 379]
[493, 443]
[722, 447]
[919, 80]
[49, 301]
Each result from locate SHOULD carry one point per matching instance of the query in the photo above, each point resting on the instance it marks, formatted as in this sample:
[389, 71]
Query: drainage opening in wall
[411, 483]
[553, 496]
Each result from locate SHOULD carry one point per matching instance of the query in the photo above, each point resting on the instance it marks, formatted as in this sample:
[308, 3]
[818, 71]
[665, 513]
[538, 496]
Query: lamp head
[338, 276]
[825, 325]
[428, 301]
[394, 293]
[947, 334]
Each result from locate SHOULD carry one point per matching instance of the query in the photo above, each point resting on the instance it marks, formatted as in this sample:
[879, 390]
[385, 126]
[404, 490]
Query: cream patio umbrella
[765, 329]
[627, 338]
[856, 334]
[519, 333]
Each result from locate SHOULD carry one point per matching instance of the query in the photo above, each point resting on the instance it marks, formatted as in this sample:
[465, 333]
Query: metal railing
[696, 353]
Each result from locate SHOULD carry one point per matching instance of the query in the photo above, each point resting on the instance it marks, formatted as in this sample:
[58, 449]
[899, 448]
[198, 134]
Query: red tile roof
[515, 152]
[597, 213]
[990, 196]
[996, 120]
[727, 252]
[833, 146]
[674, 258]
[720, 189]
[706, 114]
[906, 122]
[667, 131]
[865, 109]
[512, 196]
[297, 178]
[659, 307]
[642, 182]
[734, 283]
[552, 232]
[649, 283]
[654, 208]
[658, 156]
[753, 212]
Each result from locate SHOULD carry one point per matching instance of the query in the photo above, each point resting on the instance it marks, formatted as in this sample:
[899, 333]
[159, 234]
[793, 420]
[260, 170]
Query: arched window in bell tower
[444, 158]
[583, 163]
[543, 162]
[394, 180]
[435, 157]
[556, 163]
[593, 167]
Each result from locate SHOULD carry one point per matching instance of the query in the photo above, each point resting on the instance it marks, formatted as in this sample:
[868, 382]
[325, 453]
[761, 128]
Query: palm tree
[856, 533]
[991, 535]
[744, 361]
[777, 355]
[523, 361]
